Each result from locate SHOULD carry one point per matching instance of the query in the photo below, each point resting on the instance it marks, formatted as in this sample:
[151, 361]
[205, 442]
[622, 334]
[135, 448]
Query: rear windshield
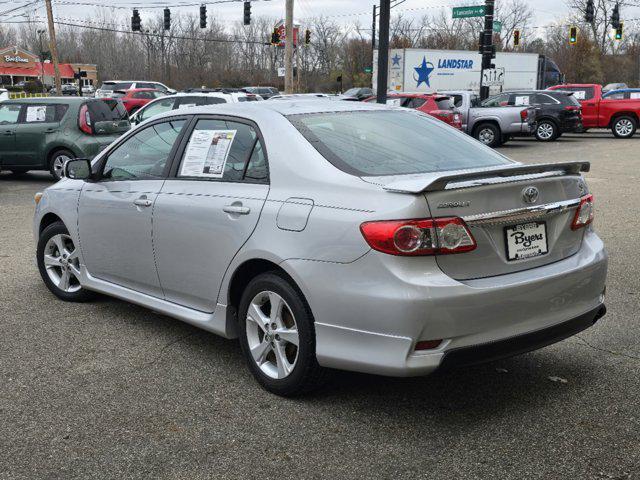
[107, 110]
[371, 143]
[116, 86]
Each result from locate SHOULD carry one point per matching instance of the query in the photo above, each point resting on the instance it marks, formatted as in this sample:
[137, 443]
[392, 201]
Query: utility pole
[487, 47]
[383, 51]
[288, 48]
[373, 27]
[53, 47]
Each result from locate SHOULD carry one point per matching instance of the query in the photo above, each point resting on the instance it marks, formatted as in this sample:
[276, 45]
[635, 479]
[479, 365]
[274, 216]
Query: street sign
[497, 26]
[368, 69]
[281, 71]
[468, 12]
[493, 77]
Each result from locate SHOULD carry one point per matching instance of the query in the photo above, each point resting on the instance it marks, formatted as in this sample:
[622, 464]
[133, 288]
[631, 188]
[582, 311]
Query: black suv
[558, 112]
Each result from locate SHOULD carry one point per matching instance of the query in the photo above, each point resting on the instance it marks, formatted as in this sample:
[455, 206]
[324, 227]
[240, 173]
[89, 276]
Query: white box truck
[419, 70]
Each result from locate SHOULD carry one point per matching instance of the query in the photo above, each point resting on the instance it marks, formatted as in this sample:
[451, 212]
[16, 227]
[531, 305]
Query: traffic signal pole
[383, 51]
[487, 46]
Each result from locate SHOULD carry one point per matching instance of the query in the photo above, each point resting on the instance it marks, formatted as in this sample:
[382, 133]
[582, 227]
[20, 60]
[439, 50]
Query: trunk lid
[515, 212]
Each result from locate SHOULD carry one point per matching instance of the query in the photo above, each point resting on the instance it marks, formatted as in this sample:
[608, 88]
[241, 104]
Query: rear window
[116, 86]
[391, 143]
[107, 110]
[444, 103]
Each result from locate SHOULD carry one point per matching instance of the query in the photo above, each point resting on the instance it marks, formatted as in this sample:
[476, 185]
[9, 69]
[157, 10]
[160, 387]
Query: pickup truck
[619, 115]
[493, 126]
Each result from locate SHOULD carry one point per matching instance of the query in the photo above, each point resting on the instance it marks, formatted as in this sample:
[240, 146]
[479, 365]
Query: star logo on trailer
[423, 72]
[396, 60]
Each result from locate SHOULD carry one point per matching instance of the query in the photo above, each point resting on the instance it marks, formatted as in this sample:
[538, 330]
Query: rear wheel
[57, 161]
[546, 131]
[277, 336]
[624, 127]
[59, 264]
[489, 134]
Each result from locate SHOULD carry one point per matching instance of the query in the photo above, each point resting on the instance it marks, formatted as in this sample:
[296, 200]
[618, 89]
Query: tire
[624, 127]
[488, 134]
[280, 367]
[58, 263]
[547, 131]
[56, 162]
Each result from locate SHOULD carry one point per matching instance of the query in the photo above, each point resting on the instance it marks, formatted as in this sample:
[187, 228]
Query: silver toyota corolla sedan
[329, 235]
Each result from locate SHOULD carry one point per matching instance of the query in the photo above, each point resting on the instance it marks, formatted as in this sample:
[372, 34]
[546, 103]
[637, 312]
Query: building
[17, 65]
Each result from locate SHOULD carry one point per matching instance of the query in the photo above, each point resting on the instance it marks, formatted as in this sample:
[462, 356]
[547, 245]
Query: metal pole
[288, 49]
[487, 46]
[53, 47]
[373, 27]
[383, 51]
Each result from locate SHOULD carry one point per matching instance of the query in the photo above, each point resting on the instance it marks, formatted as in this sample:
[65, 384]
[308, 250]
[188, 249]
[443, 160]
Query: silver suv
[329, 234]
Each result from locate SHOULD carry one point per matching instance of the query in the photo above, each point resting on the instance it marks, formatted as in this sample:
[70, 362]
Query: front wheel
[277, 336]
[59, 264]
[546, 131]
[489, 134]
[624, 127]
[57, 161]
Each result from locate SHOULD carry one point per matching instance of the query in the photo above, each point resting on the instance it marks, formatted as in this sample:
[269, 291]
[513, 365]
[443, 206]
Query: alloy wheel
[58, 164]
[272, 335]
[487, 136]
[61, 261]
[545, 131]
[624, 127]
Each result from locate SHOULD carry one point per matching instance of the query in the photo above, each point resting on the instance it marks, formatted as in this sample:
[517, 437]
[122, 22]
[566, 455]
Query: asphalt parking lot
[110, 390]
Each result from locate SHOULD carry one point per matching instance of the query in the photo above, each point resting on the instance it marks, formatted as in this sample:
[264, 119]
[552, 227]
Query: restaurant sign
[15, 59]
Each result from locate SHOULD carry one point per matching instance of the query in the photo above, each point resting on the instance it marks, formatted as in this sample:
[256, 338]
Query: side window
[39, 114]
[583, 93]
[520, 100]
[9, 113]
[257, 168]
[143, 156]
[157, 108]
[416, 102]
[542, 99]
[221, 149]
[145, 85]
[457, 101]
[498, 101]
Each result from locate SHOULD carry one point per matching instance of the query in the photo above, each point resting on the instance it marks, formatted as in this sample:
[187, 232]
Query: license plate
[527, 240]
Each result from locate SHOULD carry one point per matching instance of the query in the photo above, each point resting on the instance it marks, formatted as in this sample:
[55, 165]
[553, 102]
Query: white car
[4, 94]
[109, 86]
[186, 100]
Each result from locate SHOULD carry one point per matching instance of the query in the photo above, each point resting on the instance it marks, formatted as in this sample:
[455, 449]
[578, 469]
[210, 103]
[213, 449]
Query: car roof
[623, 90]
[133, 90]
[54, 100]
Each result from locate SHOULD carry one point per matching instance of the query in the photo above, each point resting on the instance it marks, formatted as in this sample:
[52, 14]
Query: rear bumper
[370, 314]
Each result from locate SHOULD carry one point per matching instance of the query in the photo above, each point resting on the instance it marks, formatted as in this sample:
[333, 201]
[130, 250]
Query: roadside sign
[497, 26]
[493, 77]
[468, 12]
[281, 71]
[368, 69]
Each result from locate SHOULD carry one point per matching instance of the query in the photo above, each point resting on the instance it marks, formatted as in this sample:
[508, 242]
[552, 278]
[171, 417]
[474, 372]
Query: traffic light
[275, 37]
[590, 12]
[516, 38]
[573, 35]
[615, 17]
[203, 16]
[167, 19]
[247, 13]
[619, 32]
[135, 21]
[307, 37]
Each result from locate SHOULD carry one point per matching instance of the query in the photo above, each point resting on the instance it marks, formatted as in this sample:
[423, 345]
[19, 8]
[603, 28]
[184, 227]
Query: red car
[136, 98]
[438, 106]
[622, 116]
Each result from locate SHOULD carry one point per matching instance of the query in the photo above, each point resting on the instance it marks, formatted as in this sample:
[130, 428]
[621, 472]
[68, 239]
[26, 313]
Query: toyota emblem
[530, 195]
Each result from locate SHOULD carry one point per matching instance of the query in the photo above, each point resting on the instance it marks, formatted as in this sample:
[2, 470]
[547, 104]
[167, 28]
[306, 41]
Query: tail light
[457, 118]
[584, 214]
[524, 115]
[572, 108]
[428, 345]
[84, 120]
[439, 236]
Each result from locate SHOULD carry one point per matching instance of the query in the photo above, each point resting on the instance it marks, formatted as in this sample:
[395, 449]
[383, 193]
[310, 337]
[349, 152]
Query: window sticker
[580, 94]
[394, 102]
[635, 95]
[522, 100]
[207, 153]
[36, 113]
[187, 105]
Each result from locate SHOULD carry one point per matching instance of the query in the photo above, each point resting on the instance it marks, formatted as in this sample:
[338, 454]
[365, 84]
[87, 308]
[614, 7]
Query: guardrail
[13, 95]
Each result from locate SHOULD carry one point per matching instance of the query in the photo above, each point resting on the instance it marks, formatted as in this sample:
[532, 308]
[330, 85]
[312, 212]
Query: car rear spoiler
[470, 178]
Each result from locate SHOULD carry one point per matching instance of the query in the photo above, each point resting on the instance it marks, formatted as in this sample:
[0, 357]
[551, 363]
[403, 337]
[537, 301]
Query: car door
[38, 127]
[208, 208]
[9, 115]
[590, 111]
[115, 212]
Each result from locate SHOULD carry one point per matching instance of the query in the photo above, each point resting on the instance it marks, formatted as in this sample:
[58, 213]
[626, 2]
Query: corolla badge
[530, 195]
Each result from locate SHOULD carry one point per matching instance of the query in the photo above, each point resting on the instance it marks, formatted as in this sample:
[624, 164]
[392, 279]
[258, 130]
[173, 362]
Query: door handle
[236, 209]
[142, 202]
[51, 130]
[8, 132]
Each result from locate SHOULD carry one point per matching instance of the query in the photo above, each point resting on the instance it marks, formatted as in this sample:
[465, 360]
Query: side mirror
[77, 169]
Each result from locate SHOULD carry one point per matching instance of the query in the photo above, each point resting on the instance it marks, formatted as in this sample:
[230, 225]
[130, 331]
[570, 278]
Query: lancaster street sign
[467, 12]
